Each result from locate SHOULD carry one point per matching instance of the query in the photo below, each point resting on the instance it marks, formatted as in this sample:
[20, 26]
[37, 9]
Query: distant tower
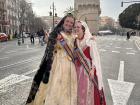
[88, 11]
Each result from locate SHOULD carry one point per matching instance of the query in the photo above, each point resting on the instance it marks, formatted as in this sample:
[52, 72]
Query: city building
[107, 21]
[88, 11]
[4, 23]
[10, 13]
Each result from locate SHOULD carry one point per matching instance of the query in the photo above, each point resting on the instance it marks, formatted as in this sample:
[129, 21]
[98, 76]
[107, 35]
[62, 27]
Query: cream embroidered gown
[62, 86]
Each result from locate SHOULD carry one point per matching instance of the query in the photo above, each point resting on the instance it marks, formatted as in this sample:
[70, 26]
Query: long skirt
[62, 86]
[87, 92]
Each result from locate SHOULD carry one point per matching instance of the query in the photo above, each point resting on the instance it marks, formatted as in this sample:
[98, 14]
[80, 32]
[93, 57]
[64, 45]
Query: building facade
[3, 17]
[10, 11]
[107, 21]
[88, 11]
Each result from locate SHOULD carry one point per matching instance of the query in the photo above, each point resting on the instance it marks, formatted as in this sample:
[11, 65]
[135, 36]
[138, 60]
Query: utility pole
[53, 15]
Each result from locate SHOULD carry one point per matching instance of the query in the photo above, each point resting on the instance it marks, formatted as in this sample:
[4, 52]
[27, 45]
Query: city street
[120, 59]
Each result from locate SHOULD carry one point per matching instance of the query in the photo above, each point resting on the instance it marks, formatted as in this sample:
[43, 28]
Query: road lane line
[129, 53]
[117, 47]
[30, 72]
[21, 49]
[116, 51]
[103, 50]
[121, 71]
[129, 48]
[20, 62]
[108, 46]
[10, 80]
[10, 51]
[4, 58]
[133, 50]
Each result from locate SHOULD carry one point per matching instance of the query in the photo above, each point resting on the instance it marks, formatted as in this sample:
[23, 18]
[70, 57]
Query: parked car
[3, 37]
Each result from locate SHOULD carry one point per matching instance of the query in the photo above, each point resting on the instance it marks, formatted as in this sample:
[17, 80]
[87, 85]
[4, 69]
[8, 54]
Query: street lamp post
[53, 14]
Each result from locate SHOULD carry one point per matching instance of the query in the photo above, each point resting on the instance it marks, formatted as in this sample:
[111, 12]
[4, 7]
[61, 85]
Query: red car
[3, 37]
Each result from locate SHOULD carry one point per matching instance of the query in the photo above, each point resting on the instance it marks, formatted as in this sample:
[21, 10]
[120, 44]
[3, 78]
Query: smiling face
[79, 30]
[68, 24]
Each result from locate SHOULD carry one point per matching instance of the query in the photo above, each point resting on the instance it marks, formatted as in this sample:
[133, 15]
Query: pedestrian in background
[128, 35]
[42, 36]
[32, 38]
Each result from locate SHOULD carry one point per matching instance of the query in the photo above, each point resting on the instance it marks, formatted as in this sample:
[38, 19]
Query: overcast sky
[111, 8]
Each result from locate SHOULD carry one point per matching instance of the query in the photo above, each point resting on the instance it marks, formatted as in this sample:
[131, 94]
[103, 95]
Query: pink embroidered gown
[88, 93]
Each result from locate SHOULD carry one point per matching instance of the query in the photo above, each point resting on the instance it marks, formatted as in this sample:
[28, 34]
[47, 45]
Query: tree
[39, 24]
[128, 18]
[23, 7]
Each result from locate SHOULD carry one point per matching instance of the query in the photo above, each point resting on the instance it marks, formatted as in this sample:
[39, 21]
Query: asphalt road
[113, 50]
[120, 59]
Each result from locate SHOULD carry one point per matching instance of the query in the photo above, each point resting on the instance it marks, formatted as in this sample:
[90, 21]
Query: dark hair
[83, 28]
[46, 63]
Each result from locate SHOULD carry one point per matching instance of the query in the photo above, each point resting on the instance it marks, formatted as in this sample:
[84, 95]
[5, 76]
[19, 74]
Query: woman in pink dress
[88, 92]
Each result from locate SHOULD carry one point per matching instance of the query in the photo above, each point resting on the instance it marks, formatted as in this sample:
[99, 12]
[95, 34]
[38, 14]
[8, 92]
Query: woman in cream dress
[55, 83]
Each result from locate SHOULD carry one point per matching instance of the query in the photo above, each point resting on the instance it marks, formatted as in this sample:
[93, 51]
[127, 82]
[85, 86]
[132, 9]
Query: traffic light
[50, 13]
[121, 4]
[55, 14]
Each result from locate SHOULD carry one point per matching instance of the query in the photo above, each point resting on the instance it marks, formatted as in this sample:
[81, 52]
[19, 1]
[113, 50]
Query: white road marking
[116, 51]
[4, 58]
[129, 48]
[129, 53]
[20, 62]
[22, 50]
[30, 72]
[27, 46]
[102, 50]
[120, 90]
[117, 47]
[11, 80]
[12, 51]
[7, 82]
[121, 71]
[133, 50]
